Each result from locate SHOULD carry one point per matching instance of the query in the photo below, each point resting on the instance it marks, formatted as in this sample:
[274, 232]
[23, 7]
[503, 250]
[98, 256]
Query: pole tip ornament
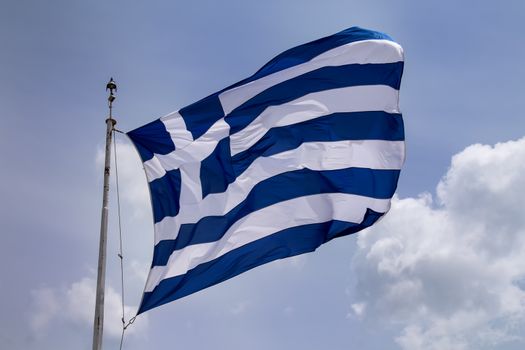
[112, 87]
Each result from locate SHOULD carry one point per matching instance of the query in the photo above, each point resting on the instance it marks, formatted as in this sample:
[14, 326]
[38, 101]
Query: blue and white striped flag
[307, 149]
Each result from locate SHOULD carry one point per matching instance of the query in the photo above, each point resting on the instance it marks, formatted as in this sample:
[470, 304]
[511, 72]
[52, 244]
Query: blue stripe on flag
[374, 125]
[200, 115]
[359, 181]
[289, 242]
[165, 195]
[152, 138]
[216, 170]
[321, 79]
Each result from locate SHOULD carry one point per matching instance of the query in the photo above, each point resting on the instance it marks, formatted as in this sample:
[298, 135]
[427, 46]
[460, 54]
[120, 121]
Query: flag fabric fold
[307, 149]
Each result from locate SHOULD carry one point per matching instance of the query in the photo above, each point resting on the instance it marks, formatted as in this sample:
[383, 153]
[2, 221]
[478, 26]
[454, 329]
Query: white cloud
[75, 304]
[358, 309]
[448, 271]
[47, 307]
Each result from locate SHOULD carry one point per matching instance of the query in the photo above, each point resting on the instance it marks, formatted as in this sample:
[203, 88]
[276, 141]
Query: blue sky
[442, 271]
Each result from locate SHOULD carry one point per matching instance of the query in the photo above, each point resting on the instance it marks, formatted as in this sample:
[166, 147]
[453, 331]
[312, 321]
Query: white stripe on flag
[314, 105]
[176, 127]
[264, 222]
[373, 154]
[360, 52]
[153, 169]
[190, 187]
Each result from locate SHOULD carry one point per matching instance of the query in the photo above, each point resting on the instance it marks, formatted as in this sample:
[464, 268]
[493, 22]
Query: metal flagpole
[98, 322]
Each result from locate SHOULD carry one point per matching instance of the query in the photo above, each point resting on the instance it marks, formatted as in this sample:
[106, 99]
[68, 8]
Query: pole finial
[112, 87]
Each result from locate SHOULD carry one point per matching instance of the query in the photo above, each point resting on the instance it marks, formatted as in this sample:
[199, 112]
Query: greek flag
[307, 149]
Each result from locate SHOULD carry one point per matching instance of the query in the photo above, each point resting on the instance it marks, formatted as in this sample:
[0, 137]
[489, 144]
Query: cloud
[47, 307]
[358, 309]
[75, 304]
[449, 271]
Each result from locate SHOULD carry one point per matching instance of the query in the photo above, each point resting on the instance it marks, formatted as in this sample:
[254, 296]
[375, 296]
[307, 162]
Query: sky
[443, 270]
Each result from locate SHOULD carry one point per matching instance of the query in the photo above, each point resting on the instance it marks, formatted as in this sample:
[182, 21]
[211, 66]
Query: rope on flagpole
[120, 253]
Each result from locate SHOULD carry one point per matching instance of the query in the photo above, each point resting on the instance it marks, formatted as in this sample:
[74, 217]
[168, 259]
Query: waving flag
[307, 149]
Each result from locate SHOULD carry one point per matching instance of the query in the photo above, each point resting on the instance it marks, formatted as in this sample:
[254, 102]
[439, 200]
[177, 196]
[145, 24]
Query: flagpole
[98, 322]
